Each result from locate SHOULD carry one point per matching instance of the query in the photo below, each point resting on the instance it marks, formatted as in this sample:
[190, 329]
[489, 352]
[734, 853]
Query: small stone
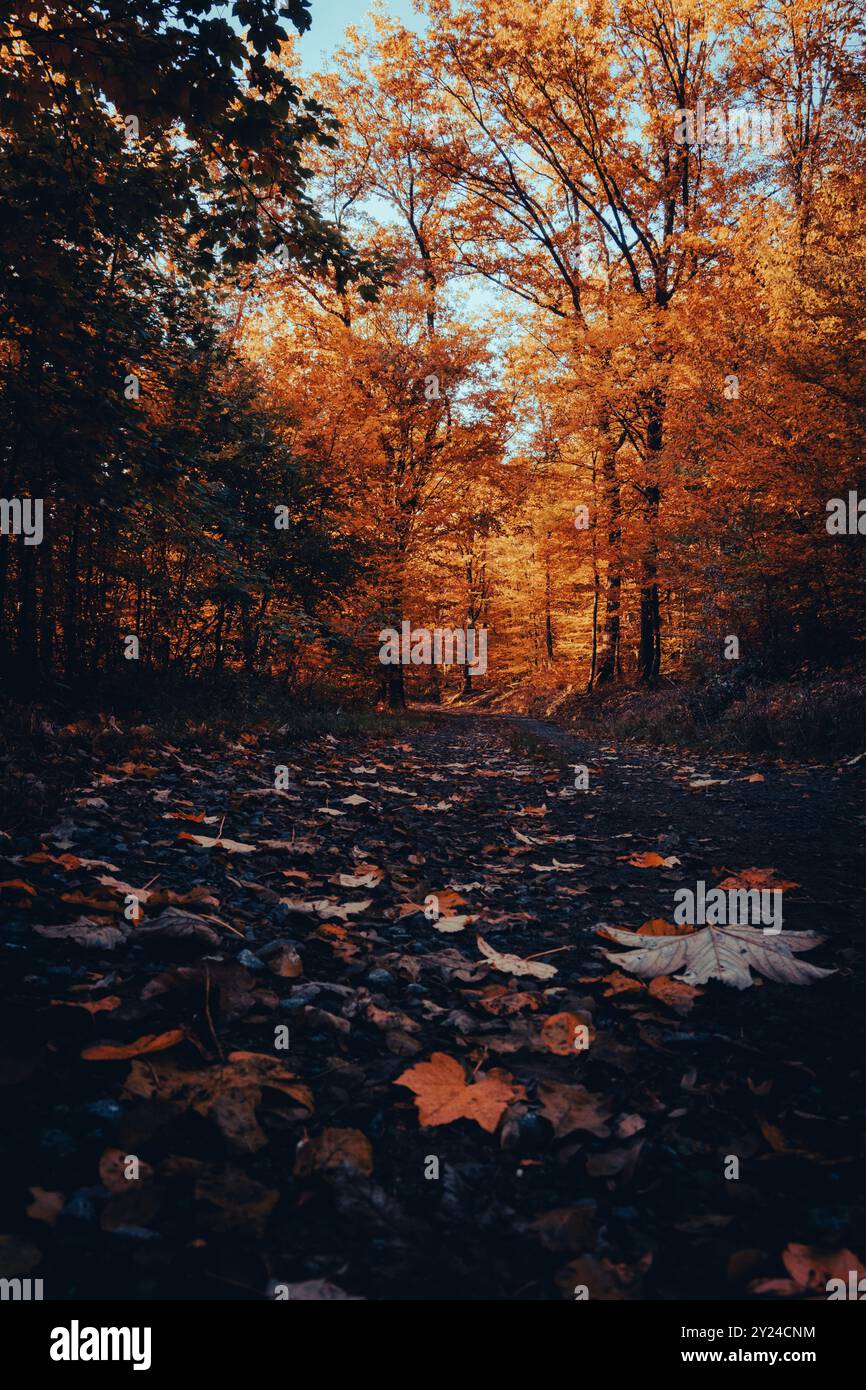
[80, 1207]
[380, 979]
[104, 1109]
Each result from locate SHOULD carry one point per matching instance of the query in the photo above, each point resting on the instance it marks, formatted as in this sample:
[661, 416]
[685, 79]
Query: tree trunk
[650, 650]
[609, 668]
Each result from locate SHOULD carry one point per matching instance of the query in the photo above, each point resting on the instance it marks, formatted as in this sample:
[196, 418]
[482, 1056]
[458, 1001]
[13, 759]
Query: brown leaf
[84, 932]
[559, 1031]
[502, 999]
[335, 1149]
[97, 1006]
[177, 923]
[112, 1171]
[650, 860]
[757, 878]
[657, 926]
[263, 1069]
[675, 993]
[442, 1094]
[574, 1107]
[241, 1202]
[118, 1052]
[46, 1206]
[515, 965]
[209, 842]
[285, 962]
[810, 1269]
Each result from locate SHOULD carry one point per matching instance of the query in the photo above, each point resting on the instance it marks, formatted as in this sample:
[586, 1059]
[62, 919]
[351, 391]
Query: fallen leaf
[722, 953]
[675, 993]
[453, 924]
[515, 965]
[118, 1052]
[650, 860]
[559, 1031]
[112, 1171]
[97, 1006]
[46, 1206]
[757, 878]
[84, 932]
[335, 1149]
[657, 926]
[208, 842]
[810, 1269]
[240, 1201]
[442, 1094]
[176, 922]
[574, 1107]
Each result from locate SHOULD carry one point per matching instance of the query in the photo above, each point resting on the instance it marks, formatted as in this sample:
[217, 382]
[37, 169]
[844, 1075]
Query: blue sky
[331, 18]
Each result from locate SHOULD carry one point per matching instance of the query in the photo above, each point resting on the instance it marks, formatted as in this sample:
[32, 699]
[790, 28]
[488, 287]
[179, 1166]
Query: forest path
[310, 1162]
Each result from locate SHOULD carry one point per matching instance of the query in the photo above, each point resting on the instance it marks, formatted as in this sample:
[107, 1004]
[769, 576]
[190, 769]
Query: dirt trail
[240, 1189]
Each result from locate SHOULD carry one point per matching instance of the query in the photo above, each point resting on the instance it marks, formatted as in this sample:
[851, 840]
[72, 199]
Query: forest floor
[303, 910]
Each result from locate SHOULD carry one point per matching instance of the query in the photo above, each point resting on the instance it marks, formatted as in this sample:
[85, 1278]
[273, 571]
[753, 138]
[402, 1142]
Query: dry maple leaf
[657, 926]
[757, 878]
[118, 1052]
[46, 1206]
[371, 877]
[209, 842]
[650, 860]
[442, 1094]
[675, 993]
[85, 932]
[97, 1006]
[811, 1269]
[343, 910]
[617, 983]
[574, 1107]
[515, 965]
[240, 1201]
[559, 1033]
[502, 999]
[720, 953]
[333, 1150]
[454, 924]
[229, 1094]
[167, 897]
[178, 923]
